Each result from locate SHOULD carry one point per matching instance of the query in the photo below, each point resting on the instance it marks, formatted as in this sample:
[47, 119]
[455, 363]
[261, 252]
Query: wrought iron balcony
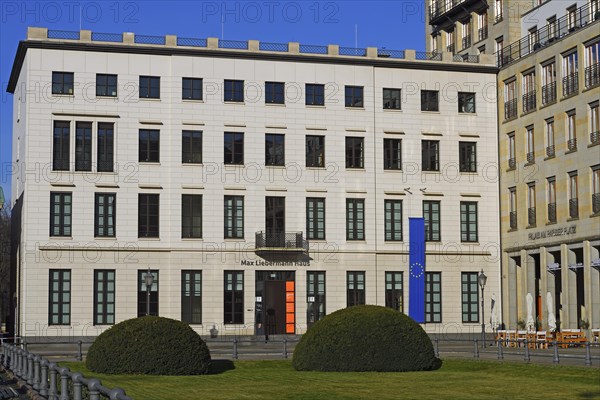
[550, 151]
[531, 216]
[450, 48]
[570, 84]
[510, 109]
[549, 93]
[513, 220]
[281, 241]
[466, 42]
[444, 13]
[482, 33]
[595, 137]
[572, 144]
[529, 101]
[512, 163]
[551, 212]
[531, 157]
[596, 203]
[592, 75]
[573, 208]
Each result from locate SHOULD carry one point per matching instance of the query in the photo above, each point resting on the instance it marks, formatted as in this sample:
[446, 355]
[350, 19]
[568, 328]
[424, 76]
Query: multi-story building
[264, 185]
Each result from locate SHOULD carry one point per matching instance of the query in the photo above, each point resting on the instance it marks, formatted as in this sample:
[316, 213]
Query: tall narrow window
[234, 148]
[551, 198]
[60, 213]
[594, 123]
[191, 296]
[104, 296]
[551, 28]
[315, 218]
[143, 293]
[354, 96]
[468, 221]
[512, 161]
[571, 130]
[149, 87]
[529, 94]
[274, 149]
[149, 145]
[106, 85]
[470, 297]
[106, 140]
[355, 219]
[315, 94]
[355, 152]
[233, 90]
[570, 74]
[466, 102]
[430, 155]
[234, 217]
[392, 154]
[62, 83]
[467, 156]
[191, 216]
[355, 281]
[394, 291]
[191, 89]
[482, 22]
[392, 99]
[596, 189]
[572, 17]
[191, 147]
[274, 93]
[105, 214]
[83, 146]
[530, 145]
[573, 195]
[512, 200]
[61, 146]
[501, 59]
[549, 83]
[498, 10]
[148, 215]
[466, 34]
[315, 151]
[531, 202]
[59, 304]
[429, 100]
[433, 297]
[432, 215]
[533, 38]
[315, 293]
[592, 61]
[510, 99]
[550, 152]
[233, 296]
[393, 220]
[450, 42]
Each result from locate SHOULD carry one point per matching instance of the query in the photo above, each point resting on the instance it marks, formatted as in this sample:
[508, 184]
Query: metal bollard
[53, 390]
[93, 385]
[235, 349]
[500, 350]
[527, 355]
[116, 394]
[64, 383]
[285, 352]
[17, 369]
[588, 354]
[76, 377]
[79, 352]
[36, 372]
[44, 378]
[475, 348]
[437, 347]
[30, 369]
[555, 358]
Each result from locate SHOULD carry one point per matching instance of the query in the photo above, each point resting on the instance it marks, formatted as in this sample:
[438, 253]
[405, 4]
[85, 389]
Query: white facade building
[109, 181]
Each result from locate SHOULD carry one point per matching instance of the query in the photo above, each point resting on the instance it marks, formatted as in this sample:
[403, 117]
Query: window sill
[393, 241]
[551, 223]
[430, 112]
[529, 164]
[509, 119]
[593, 145]
[546, 105]
[150, 99]
[474, 243]
[512, 230]
[430, 172]
[234, 239]
[595, 215]
[573, 219]
[356, 240]
[192, 164]
[392, 110]
[63, 95]
[192, 239]
[275, 104]
[234, 102]
[392, 170]
[570, 151]
[317, 240]
[315, 106]
[356, 169]
[549, 157]
[528, 112]
[511, 169]
[588, 88]
[149, 239]
[149, 162]
[470, 173]
[107, 238]
[60, 237]
[233, 165]
[275, 166]
[192, 101]
[473, 114]
[574, 94]
[530, 227]
[355, 108]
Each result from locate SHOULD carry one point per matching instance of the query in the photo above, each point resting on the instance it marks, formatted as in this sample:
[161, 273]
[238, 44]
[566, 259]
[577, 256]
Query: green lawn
[457, 379]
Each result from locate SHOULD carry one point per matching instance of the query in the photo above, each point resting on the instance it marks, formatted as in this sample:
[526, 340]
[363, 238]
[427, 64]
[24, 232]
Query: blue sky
[390, 24]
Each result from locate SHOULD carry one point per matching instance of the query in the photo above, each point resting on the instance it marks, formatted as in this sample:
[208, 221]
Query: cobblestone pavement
[5, 382]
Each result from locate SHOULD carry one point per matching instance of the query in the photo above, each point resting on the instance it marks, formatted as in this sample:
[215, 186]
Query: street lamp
[482, 280]
[149, 281]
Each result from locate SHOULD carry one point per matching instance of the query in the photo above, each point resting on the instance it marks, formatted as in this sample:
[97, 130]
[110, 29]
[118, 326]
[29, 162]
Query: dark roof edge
[170, 51]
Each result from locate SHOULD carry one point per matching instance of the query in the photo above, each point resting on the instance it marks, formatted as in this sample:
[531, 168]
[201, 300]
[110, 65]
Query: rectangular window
[191, 216]
[233, 304]
[354, 152]
[393, 220]
[433, 297]
[315, 292]
[596, 189]
[355, 219]
[315, 151]
[191, 297]
[355, 281]
[61, 149]
[315, 94]
[233, 148]
[498, 10]
[191, 147]
[429, 100]
[467, 156]
[148, 215]
[149, 87]
[60, 213]
[315, 218]
[594, 123]
[191, 89]
[482, 23]
[233, 90]
[430, 155]
[394, 291]
[470, 297]
[592, 62]
[104, 296]
[512, 194]
[106, 85]
[143, 293]
[529, 97]
[571, 131]
[466, 34]
[501, 59]
[510, 99]
[531, 210]
[530, 145]
[551, 198]
[512, 161]
[274, 149]
[62, 83]
[234, 217]
[59, 304]
[392, 154]
[105, 214]
[83, 146]
[572, 17]
[573, 195]
[274, 93]
[570, 74]
[533, 39]
[466, 102]
[548, 83]
[354, 96]
[468, 221]
[106, 140]
[149, 145]
[392, 99]
[551, 28]
[450, 42]
[432, 215]
[550, 138]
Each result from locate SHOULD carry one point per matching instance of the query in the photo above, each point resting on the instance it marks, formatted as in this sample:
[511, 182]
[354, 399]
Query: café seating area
[543, 339]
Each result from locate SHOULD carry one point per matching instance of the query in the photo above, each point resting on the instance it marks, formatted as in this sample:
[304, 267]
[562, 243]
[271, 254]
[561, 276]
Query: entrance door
[275, 221]
[274, 307]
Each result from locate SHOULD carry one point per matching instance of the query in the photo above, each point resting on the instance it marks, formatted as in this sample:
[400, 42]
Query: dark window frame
[430, 100]
[394, 296]
[315, 94]
[313, 282]
[191, 146]
[106, 85]
[149, 146]
[235, 156]
[433, 316]
[191, 88]
[390, 102]
[274, 92]
[464, 101]
[65, 286]
[277, 143]
[355, 295]
[467, 155]
[392, 234]
[149, 87]
[430, 155]
[83, 146]
[233, 297]
[432, 235]
[102, 317]
[64, 228]
[355, 152]
[470, 280]
[235, 231]
[467, 235]
[315, 151]
[61, 146]
[353, 232]
[354, 96]
[312, 218]
[191, 223]
[63, 86]
[191, 305]
[392, 154]
[105, 146]
[143, 295]
[233, 91]
[101, 211]
[148, 208]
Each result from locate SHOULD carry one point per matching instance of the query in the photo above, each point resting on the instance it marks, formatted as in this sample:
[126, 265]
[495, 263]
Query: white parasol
[494, 313]
[551, 316]
[529, 323]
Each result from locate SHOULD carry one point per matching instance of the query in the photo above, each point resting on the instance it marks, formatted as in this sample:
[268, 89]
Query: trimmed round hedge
[149, 345]
[365, 338]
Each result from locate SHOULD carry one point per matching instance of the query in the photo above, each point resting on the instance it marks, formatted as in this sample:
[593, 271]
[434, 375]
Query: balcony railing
[550, 151]
[281, 241]
[595, 137]
[513, 220]
[596, 203]
[573, 208]
[512, 163]
[572, 144]
[551, 213]
[529, 101]
[450, 48]
[547, 35]
[466, 42]
[510, 109]
[482, 33]
[570, 84]
[531, 216]
[531, 157]
[592, 75]
[549, 93]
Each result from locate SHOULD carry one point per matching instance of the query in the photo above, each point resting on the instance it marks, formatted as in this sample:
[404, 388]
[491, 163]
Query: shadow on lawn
[588, 395]
[220, 366]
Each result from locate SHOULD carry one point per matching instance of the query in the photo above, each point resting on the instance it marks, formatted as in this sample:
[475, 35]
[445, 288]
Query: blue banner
[416, 265]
